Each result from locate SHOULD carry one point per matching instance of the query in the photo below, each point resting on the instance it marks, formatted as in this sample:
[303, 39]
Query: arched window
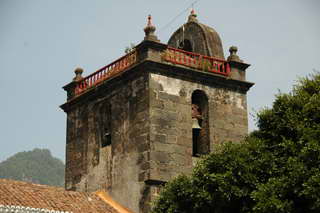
[103, 124]
[106, 125]
[200, 125]
[186, 45]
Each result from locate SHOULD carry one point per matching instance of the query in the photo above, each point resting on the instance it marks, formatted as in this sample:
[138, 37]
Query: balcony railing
[172, 55]
[106, 72]
[196, 61]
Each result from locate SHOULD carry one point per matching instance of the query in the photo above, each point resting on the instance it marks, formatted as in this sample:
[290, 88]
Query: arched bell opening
[186, 45]
[200, 123]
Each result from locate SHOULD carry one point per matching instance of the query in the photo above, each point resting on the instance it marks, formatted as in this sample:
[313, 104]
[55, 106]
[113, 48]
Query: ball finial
[150, 29]
[192, 16]
[233, 54]
[78, 71]
[149, 21]
[193, 13]
[233, 50]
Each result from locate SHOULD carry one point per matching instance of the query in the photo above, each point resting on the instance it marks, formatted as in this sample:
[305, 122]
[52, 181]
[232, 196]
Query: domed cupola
[196, 37]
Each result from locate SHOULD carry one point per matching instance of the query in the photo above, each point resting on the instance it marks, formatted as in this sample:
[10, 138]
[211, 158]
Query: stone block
[168, 97]
[160, 157]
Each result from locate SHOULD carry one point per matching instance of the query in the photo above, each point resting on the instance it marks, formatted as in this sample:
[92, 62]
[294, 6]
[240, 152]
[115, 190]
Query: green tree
[275, 169]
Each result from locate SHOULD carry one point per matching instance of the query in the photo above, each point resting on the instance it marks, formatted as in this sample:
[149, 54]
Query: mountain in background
[36, 166]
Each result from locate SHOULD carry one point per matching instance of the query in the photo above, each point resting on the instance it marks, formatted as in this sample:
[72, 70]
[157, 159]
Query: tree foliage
[37, 166]
[275, 169]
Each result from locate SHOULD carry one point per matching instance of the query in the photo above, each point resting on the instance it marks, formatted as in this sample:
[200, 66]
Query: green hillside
[37, 166]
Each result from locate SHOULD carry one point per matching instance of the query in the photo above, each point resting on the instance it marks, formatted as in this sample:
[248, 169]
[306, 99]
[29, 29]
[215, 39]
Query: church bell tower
[147, 117]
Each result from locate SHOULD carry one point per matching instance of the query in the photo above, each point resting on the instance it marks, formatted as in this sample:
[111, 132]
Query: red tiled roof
[17, 193]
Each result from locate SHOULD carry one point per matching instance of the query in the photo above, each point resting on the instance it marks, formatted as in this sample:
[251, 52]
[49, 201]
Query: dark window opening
[106, 139]
[106, 132]
[185, 45]
[195, 137]
[200, 123]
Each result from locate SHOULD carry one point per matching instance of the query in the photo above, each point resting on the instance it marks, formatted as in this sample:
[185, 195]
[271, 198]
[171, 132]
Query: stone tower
[147, 117]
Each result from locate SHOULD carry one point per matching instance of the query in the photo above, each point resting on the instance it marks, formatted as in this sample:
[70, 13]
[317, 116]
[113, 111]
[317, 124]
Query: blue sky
[43, 41]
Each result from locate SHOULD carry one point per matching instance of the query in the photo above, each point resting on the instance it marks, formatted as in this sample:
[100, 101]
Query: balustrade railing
[106, 72]
[172, 55]
[196, 61]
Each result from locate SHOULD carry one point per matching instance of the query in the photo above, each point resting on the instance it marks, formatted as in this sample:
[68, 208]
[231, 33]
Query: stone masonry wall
[120, 168]
[171, 123]
[151, 132]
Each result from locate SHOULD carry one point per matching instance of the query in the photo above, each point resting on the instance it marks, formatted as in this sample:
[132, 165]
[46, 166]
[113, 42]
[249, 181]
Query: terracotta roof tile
[26, 194]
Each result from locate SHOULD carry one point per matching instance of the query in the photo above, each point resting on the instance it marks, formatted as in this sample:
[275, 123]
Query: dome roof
[196, 37]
